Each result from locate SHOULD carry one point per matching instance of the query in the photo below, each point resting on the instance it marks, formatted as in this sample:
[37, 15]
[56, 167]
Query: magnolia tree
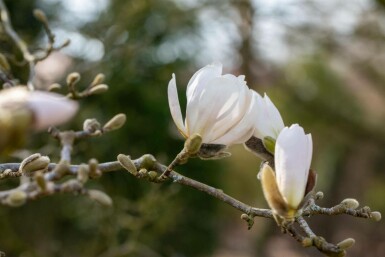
[221, 111]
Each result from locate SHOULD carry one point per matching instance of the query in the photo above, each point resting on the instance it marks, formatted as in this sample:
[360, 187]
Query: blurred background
[321, 62]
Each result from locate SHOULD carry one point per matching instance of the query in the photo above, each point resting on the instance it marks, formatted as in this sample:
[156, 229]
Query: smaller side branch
[6, 22]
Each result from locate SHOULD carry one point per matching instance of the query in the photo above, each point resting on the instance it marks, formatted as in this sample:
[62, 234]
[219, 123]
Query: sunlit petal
[173, 102]
[293, 152]
[268, 121]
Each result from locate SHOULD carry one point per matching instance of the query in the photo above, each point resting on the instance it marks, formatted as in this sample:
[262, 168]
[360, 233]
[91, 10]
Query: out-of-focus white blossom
[220, 108]
[48, 109]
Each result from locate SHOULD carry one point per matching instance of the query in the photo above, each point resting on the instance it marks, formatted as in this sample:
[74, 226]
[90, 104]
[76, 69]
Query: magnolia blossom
[293, 154]
[220, 108]
[268, 120]
[48, 109]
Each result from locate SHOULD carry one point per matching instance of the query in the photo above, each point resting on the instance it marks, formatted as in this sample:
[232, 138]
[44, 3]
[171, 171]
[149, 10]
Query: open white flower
[293, 179]
[268, 120]
[47, 109]
[219, 107]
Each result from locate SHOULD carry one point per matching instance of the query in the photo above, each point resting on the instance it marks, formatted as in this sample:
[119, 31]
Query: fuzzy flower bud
[127, 163]
[16, 198]
[115, 123]
[350, 203]
[34, 163]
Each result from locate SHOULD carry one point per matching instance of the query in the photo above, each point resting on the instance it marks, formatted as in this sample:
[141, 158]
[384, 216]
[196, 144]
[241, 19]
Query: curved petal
[50, 109]
[196, 85]
[275, 118]
[293, 152]
[244, 129]
[201, 77]
[173, 102]
[213, 98]
[232, 114]
[268, 121]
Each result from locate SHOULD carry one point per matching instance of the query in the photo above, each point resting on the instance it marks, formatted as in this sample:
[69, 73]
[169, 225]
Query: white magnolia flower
[293, 154]
[292, 181]
[268, 120]
[48, 109]
[219, 107]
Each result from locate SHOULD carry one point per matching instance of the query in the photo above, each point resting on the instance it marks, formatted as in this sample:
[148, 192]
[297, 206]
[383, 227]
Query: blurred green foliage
[147, 219]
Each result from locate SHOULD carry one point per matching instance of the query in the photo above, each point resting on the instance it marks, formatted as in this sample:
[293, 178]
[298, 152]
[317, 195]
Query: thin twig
[6, 22]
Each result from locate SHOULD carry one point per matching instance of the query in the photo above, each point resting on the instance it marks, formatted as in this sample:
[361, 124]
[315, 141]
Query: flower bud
[73, 78]
[66, 43]
[142, 172]
[126, 162]
[307, 242]
[91, 125]
[115, 123]
[41, 182]
[54, 86]
[98, 89]
[100, 197]
[269, 144]
[71, 186]
[94, 171]
[350, 203]
[319, 195]
[152, 174]
[376, 216]
[193, 144]
[98, 79]
[16, 198]
[61, 169]
[40, 15]
[83, 172]
[33, 163]
[147, 161]
[347, 243]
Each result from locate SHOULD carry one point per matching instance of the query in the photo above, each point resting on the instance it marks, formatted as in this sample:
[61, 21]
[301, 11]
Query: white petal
[274, 116]
[201, 77]
[202, 116]
[244, 129]
[233, 112]
[268, 121]
[293, 151]
[196, 85]
[50, 109]
[173, 102]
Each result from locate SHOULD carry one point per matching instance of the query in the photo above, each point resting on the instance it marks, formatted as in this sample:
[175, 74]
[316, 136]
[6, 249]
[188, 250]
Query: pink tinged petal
[173, 102]
[293, 152]
[50, 109]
